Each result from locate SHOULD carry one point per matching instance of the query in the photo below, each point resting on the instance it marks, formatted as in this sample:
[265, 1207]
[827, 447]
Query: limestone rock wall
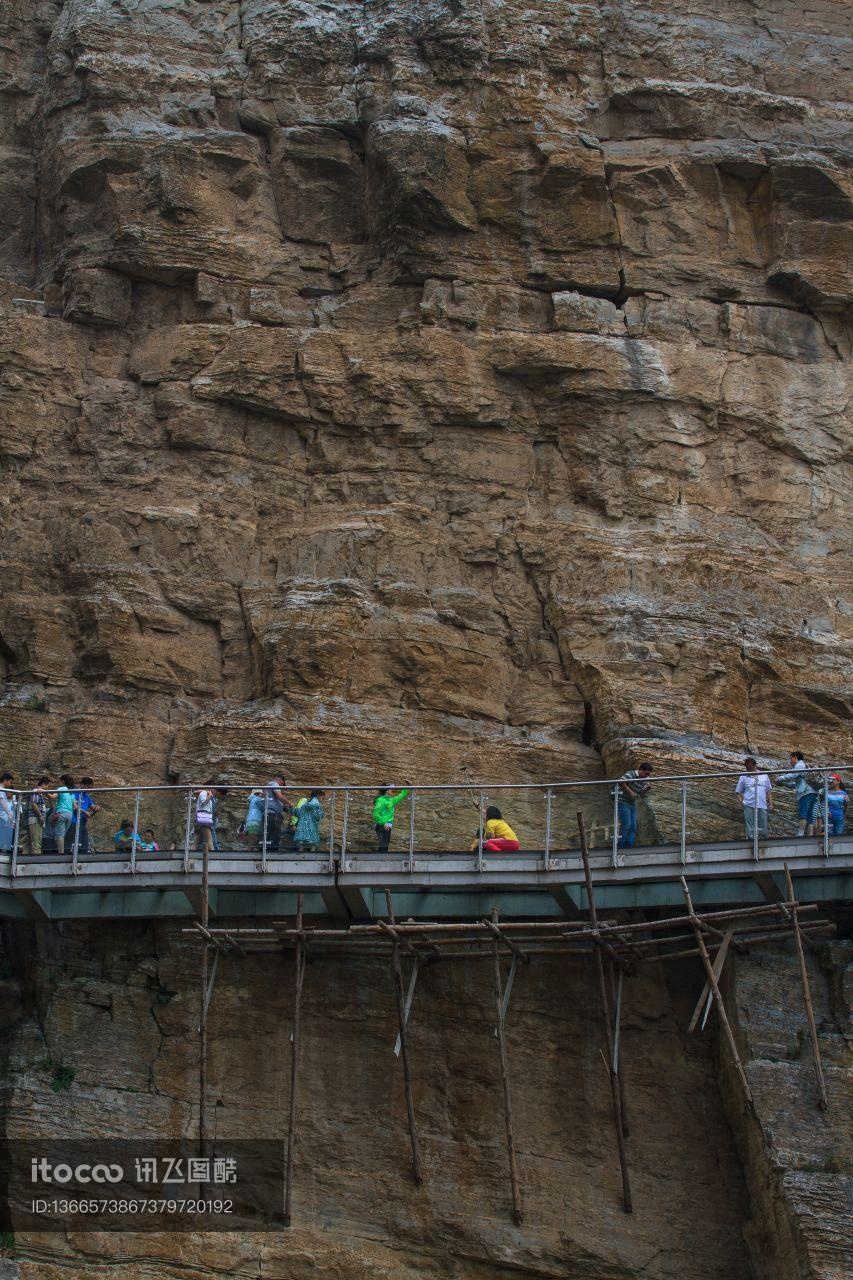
[798, 1159]
[718, 1192]
[117, 1006]
[454, 388]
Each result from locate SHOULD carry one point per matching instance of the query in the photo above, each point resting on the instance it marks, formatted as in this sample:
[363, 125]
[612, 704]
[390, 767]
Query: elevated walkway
[448, 884]
[348, 882]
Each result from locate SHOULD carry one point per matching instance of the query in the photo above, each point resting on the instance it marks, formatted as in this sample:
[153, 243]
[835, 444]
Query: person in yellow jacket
[384, 807]
[498, 836]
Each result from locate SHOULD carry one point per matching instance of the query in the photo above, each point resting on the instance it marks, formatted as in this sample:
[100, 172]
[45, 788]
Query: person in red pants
[498, 836]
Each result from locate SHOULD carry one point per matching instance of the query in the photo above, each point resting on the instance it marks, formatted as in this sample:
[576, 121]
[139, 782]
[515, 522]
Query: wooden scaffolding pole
[823, 1101]
[299, 978]
[613, 1064]
[400, 999]
[715, 991]
[616, 997]
[517, 1207]
[205, 1000]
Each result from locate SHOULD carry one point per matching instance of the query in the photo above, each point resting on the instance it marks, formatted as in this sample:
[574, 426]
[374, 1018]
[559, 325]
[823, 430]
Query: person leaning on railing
[799, 778]
[632, 786]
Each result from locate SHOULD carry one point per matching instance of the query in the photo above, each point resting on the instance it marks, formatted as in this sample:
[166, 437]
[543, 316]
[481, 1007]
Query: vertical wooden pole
[294, 1062]
[823, 1101]
[404, 1044]
[205, 955]
[614, 1069]
[715, 990]
[616, 997]
[517, 1207]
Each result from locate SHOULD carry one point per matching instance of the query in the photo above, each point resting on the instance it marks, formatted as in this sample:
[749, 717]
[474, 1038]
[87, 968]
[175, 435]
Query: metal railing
[543, 813]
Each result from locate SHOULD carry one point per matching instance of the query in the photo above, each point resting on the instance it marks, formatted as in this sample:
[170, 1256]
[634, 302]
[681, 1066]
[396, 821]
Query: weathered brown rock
[451, 390]
[542, 309]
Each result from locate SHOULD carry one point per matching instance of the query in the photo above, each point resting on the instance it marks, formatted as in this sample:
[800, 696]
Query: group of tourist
[819, 807]
[54, 815]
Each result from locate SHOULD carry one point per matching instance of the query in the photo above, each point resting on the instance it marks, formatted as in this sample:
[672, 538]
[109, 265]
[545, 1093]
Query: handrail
[620, 837]
[811, 770]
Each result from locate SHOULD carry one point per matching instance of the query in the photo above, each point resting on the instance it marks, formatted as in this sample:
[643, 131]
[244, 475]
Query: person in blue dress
[306, 837]
[253, 823]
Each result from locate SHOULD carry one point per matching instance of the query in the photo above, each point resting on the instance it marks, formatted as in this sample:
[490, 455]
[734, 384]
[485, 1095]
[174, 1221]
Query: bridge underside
[434, 886]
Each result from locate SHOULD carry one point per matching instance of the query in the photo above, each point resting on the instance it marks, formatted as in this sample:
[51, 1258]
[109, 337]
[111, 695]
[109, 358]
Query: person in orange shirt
[498, 836]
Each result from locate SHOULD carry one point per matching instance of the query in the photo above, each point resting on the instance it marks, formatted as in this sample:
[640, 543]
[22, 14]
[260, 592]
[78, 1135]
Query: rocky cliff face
[445, 388]
[436, 388]
[115, 1009]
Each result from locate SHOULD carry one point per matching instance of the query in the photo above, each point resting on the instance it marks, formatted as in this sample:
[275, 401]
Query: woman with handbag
[204, 818]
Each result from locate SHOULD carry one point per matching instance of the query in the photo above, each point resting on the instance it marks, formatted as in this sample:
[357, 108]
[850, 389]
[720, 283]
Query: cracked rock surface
[447, 389]
[440, 389]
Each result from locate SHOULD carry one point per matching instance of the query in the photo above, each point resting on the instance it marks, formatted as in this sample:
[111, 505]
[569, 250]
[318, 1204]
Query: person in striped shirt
[632, 786]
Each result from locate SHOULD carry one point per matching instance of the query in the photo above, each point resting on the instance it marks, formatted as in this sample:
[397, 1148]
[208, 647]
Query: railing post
[683, 825]
[755, 818]
[332, 834]
[412, 830]
[264, 834]
[344, 830]
[548, 795]
[825, 814]
[187, 829]
[75, 844]
[135, 834]
[16, 837]
[480, 835]
[614, 853]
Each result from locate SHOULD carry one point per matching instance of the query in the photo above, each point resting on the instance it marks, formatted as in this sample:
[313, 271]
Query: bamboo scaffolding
[612, 1063]
[517, 1206]
[616, 998]
[539, 939]
[205, 1000]
[399, 996]
[823, 1101]
[718, 999]
[569, 928]
[616, 947]
[480, 948]
[299, 979]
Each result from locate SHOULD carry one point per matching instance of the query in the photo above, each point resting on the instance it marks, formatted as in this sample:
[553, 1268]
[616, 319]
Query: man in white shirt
[754, 790]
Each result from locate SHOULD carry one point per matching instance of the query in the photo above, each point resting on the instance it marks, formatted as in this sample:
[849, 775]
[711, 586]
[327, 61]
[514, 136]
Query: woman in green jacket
[383, 814]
